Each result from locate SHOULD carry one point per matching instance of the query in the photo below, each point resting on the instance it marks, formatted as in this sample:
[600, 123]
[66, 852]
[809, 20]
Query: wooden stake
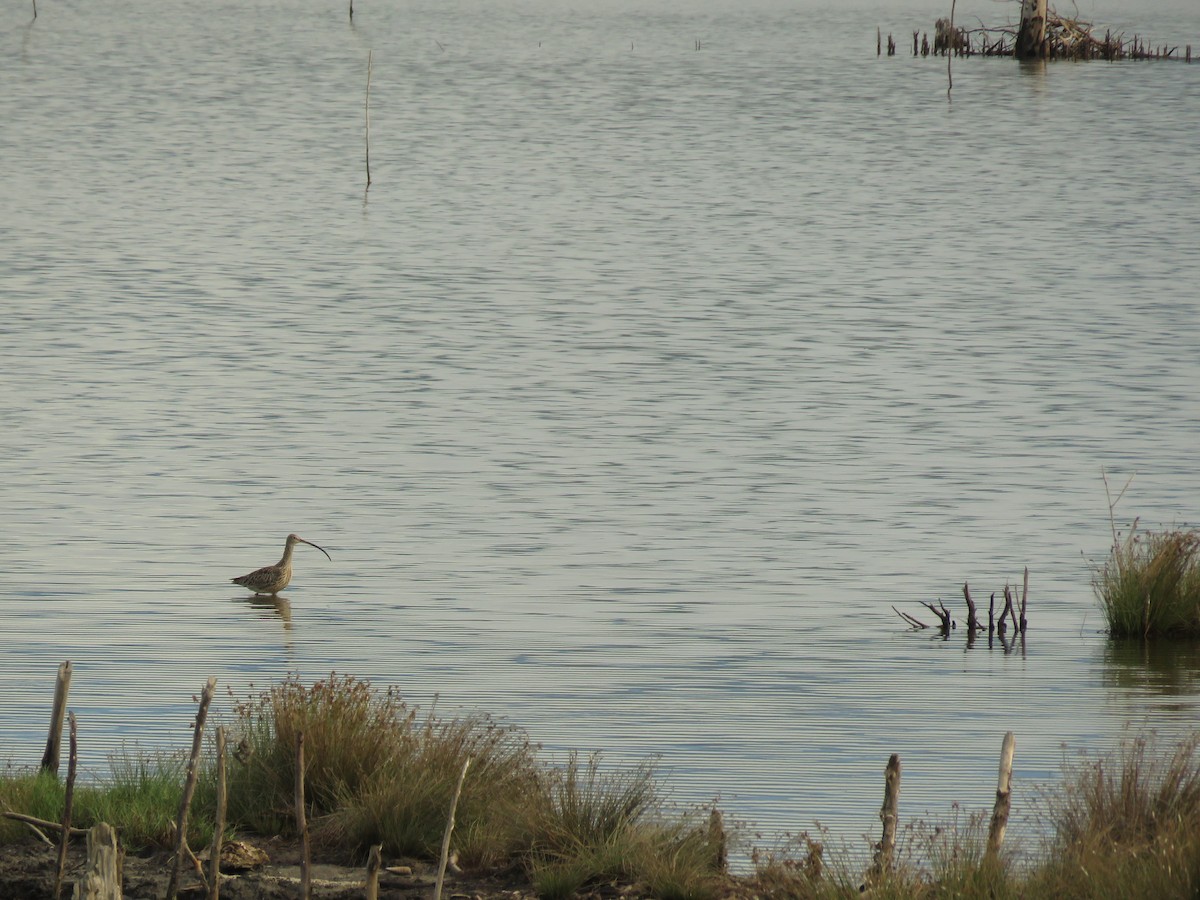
[367, 115]
[972, 619]
[441, 876]
[302, 822]
[374, 864]
[62, 687]
[878, 41]
[68, 800]
[1032, 33]
[1002, 624]
[949, 88]
[189, 788]
[102, 878]
[889, 815]
[214, 854]
[1003, 796]
[1024, 600]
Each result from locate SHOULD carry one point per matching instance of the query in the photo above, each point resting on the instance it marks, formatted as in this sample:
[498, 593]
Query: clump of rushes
[1126, 826]
[1150, 584]
[378, 773]
[351, 733]
[587, 825]
[405, 805]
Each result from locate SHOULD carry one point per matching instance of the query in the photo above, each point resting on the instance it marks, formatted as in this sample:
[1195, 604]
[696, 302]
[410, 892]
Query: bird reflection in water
[281, 606]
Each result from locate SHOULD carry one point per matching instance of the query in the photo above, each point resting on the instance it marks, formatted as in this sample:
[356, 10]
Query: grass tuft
[1127, 825]
[1150, 584]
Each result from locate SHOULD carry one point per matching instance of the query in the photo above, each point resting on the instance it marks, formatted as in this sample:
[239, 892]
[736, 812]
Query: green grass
[1150, 584]
[140, 798]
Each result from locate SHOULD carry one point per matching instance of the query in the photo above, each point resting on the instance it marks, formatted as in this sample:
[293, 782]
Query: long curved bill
[311, 544]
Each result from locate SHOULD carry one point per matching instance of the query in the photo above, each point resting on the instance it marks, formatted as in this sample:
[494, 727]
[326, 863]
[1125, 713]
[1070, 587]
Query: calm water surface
[638, 388]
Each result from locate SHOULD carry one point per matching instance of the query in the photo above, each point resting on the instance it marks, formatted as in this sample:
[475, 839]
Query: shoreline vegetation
[380, 783]
[1041, 34]
[1149, 587]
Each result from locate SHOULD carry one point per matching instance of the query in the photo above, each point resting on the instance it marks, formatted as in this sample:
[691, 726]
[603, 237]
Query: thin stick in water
[950, 51]
[367, 115]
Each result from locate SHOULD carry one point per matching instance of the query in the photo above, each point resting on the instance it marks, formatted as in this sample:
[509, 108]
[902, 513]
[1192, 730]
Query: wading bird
[273, 579]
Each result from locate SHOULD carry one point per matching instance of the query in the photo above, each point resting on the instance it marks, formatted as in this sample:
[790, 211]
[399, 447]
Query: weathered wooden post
[68, 800]
[1003, 796]
[445, 857]
[1032, 32]
[62, 687]
[878, 41]
[189, 788]
[889, 815]
[374, 864]
[102, 878]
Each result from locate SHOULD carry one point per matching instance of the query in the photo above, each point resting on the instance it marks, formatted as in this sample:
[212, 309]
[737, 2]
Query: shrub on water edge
[406, 805]
[1150, 584]
[587, 825]
[351, 732]
[1126, 825]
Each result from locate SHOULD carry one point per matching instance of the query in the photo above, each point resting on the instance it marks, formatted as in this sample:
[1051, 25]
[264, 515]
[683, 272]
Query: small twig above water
[367, 117]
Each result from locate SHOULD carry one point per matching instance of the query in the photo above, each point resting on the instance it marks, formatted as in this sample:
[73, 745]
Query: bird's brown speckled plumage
[273, 579]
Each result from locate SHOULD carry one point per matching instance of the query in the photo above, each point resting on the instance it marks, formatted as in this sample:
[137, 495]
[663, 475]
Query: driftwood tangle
[1014, 610]
[1040, 34]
